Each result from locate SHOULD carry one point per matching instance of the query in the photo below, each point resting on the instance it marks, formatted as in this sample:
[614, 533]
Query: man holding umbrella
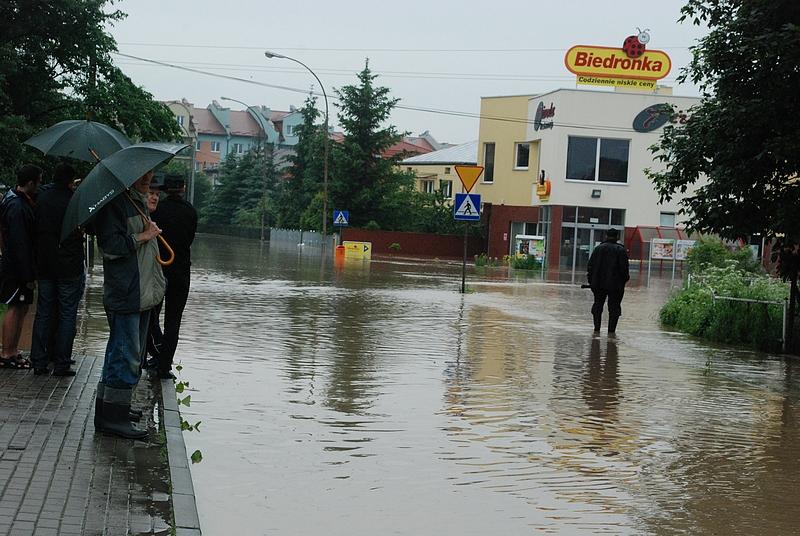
[133, 283]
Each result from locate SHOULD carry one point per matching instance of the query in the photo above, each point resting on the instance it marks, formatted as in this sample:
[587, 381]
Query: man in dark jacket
[133, 284]
[60, 277]
[178, 221]
[17, 280]
[607, 273]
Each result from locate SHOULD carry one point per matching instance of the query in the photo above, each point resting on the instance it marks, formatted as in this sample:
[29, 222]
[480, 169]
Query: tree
[304, 180]
[55, 64]
[365, 182]
[741, 146]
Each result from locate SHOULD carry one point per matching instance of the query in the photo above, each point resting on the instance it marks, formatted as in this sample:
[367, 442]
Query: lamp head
[271, 54]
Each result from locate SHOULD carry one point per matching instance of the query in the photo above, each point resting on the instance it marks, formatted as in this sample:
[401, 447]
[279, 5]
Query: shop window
[426, 186]
[446, 187]
[488, 162]
[597, 159]
[618, 216]
[569, 214]
[522, 156]
[594, 215]
[667, 219]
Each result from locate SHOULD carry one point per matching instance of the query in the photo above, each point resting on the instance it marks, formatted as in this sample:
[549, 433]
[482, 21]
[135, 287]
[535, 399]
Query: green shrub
[693, 310]
[394, 246]
[525, 262]
[712, 252]
[372, 225]
[484, 260]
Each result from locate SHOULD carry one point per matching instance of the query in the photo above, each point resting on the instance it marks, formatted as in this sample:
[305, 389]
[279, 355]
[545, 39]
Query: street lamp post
[194, 150]
[266, 141]
[271, 55]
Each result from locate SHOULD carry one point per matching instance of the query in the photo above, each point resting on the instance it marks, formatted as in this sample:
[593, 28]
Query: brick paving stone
[58, 476]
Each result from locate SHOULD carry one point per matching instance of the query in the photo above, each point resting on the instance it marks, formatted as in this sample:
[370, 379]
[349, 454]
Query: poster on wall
[662, 249]
[682, 249]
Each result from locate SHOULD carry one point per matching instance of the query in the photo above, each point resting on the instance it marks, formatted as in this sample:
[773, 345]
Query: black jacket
[177, 219]
[54, 259]
[17, 230]
[608, 266]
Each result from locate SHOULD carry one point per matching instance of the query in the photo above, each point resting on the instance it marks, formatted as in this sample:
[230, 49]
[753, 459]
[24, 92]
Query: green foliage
[298, 192]
[524, 262]
[394, 246]
[55, 64]
[694, 310]
[713, 252]
[364, 182]
[372, 225]
[197, 456]
[485, 260]
[246, 191]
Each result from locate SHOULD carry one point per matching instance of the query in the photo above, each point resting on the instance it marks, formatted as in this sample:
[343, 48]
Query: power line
[454, 113]
[410, 50]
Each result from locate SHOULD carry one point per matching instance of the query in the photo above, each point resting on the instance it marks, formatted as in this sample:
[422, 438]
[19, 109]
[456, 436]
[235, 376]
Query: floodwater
[374, 398]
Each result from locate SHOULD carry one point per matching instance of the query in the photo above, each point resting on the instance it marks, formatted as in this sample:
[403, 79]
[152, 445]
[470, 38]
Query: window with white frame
[597, 159]
[522, 156]
[290, 130]
[446, 187]
[488, 162]
[238, 148]
[179, 119]
[214, 146]
[426, 186]
[197, 145]
[667, 219]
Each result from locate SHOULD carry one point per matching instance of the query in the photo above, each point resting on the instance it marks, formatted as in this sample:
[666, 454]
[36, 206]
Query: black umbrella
[84, 140]
[111, 177]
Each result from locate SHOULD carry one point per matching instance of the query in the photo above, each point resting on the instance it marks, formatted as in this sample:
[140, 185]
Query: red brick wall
[415, 244]
[500, 226]
[554, 240]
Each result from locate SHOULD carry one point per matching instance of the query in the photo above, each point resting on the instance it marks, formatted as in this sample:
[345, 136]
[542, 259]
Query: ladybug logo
[635, 45]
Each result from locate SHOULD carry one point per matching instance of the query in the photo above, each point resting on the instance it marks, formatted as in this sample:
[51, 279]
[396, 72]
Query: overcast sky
[441, 55]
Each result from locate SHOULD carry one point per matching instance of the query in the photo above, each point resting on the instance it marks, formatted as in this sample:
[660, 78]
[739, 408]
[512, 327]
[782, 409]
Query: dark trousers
[174, 303]
[55, 324]
[614, 306]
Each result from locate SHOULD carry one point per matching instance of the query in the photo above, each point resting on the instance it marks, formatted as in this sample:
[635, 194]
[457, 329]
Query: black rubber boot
[115, 420]
[597, 318]
[134, 415]
[98, 412]
[612, 324]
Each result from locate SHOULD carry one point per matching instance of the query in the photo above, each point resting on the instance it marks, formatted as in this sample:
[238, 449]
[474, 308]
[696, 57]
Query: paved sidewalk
[57, 476]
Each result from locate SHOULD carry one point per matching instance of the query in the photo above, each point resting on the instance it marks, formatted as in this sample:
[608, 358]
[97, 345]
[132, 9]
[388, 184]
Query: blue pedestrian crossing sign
[467, 207]
[341, 218]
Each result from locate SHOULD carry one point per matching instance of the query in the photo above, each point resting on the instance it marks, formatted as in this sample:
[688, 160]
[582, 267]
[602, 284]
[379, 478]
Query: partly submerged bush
[525, 262]
[694, 309]
[711, 252]
[484, 260]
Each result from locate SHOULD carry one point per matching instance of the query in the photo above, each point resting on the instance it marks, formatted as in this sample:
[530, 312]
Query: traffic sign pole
[464, 264]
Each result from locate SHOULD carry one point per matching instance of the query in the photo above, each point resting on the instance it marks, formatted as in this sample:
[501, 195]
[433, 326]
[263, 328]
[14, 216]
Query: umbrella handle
[171, 253]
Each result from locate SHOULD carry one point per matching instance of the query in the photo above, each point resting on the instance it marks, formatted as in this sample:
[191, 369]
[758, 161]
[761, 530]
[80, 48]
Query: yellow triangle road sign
[469, 175]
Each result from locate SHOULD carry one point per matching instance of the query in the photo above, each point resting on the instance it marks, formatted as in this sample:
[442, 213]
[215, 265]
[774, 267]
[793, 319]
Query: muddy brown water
[373, 398]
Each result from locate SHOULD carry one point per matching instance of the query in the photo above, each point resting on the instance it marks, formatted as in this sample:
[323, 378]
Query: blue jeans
[54, 325]
[127, 340]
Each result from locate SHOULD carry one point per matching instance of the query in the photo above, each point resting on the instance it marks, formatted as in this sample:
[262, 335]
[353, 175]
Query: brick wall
[500, 226]
[415, 244]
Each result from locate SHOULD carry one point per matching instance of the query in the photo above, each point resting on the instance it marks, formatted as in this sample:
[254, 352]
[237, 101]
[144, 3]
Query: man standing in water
[607, 273]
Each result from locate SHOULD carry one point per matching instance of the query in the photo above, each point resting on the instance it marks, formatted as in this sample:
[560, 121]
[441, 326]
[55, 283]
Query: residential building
[573, 168]
[435, 171]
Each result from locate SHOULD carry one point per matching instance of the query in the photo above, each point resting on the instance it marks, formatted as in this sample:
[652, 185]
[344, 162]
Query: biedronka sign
[631, 66]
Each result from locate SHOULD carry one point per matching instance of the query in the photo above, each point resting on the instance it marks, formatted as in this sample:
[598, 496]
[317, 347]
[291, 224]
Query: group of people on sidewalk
[135, 286]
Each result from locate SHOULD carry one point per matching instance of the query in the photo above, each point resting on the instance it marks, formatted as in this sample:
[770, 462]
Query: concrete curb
[187, 521]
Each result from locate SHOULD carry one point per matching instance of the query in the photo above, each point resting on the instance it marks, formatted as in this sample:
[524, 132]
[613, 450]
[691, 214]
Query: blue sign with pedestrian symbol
[341, 218]
[467, 207]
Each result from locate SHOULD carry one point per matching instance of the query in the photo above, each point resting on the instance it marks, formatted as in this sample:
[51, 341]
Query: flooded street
[375, 399]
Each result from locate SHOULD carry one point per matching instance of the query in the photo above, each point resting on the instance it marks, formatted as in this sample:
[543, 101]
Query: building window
[597, 159]
[426, 186]
[238, 148]
[488, 162]
[523, 156]
[197, 145]
[667, 219]
[214, 146]
[197, 166]
[446, 187]
[179, 119]
[290, 130]
[447, 171]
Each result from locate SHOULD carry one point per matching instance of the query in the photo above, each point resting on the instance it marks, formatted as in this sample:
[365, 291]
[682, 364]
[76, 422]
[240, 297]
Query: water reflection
[368, 398]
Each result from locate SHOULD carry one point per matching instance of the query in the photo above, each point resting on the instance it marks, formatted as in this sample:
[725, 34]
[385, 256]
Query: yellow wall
[436, 173]
[510, 186]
